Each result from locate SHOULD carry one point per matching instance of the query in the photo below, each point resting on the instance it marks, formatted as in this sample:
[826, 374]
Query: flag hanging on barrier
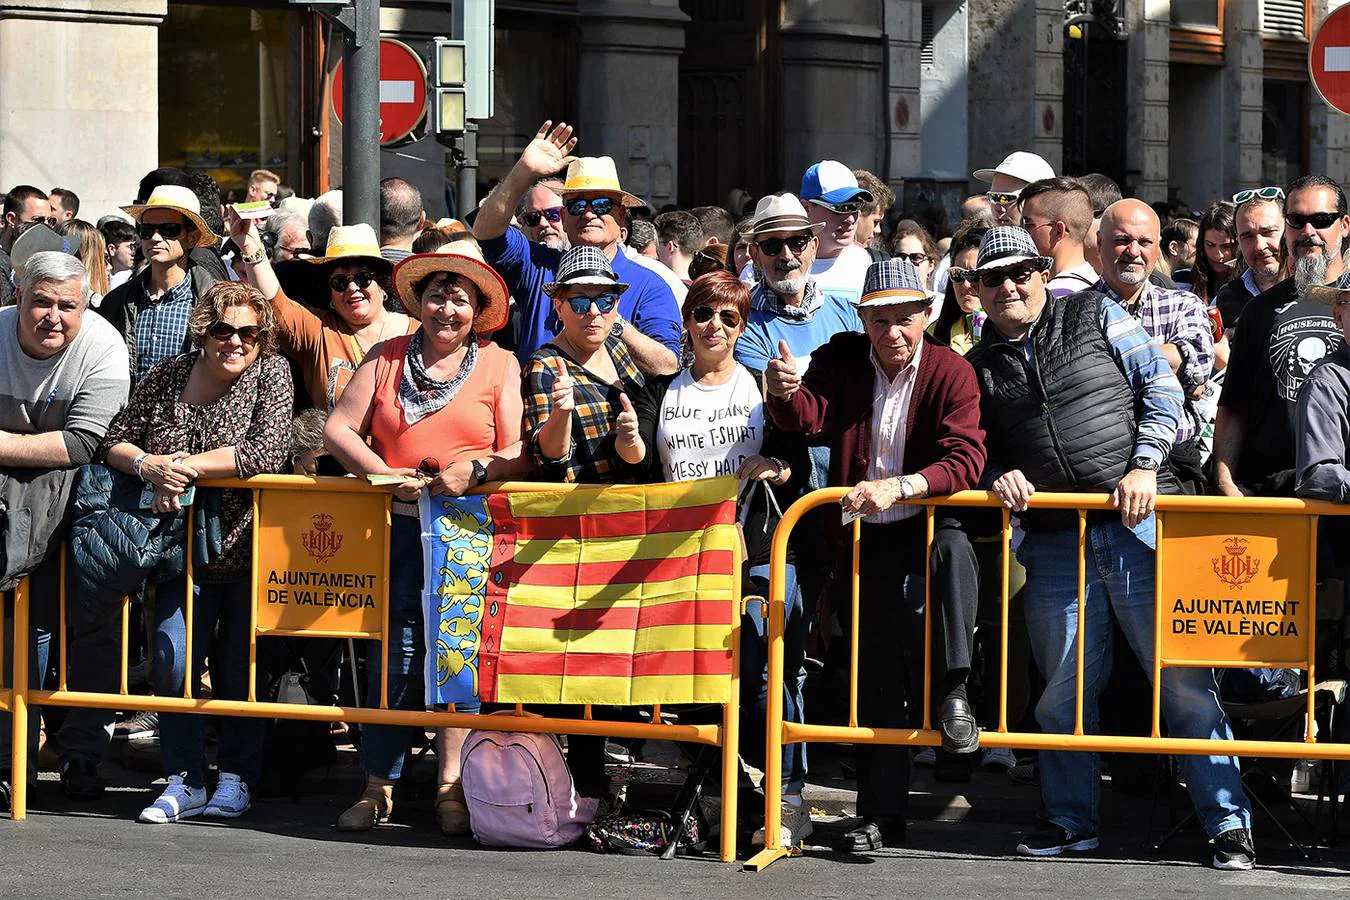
[618, 595]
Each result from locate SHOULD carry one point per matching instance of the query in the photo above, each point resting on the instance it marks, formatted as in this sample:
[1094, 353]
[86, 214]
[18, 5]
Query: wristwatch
[907, 491]
[479, 472]
[1144, 462]
[616, 330]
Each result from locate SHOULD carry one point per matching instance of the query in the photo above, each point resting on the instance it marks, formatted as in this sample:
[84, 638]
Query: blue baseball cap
[831, 181]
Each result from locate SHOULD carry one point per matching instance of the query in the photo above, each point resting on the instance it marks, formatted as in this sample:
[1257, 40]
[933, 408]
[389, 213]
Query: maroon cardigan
[944, 441]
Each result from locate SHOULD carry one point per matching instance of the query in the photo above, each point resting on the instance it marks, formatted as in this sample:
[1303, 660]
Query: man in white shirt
[834, 199]
[1057, 213]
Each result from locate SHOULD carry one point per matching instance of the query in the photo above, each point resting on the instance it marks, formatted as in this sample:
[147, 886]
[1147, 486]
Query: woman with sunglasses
[220, 411]
[912, 241]
[349, 286]
[442, 408]
[707, 421]
[961, 319]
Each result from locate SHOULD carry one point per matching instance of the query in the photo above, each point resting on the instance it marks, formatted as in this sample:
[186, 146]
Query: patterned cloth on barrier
[617, 595]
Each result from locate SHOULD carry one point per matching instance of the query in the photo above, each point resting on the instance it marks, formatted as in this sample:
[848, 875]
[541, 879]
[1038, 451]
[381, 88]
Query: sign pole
[361, 120]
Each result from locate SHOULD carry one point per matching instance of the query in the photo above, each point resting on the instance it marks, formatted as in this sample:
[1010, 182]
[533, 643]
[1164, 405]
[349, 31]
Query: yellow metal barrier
[1296, 526]
[725, 736]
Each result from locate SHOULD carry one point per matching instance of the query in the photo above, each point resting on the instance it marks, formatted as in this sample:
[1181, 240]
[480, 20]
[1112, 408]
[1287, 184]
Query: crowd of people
[1058, 338]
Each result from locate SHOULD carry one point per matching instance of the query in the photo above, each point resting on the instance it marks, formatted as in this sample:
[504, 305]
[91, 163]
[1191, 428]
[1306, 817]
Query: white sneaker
[230, 800]
[794, 828]
[179, 801]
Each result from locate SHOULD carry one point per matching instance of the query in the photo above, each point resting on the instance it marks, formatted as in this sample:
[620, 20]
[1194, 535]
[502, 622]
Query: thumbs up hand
[781, 378]
[562, 397]
[626, 425]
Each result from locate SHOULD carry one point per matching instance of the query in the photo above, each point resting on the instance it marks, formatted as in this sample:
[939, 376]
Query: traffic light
[449, 106]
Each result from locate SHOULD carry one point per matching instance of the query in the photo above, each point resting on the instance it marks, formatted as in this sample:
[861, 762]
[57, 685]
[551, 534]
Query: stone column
[1146, 104]
[1243, 96]
[79, 97]
[834, 105]
[1016, 85]
[628, 97]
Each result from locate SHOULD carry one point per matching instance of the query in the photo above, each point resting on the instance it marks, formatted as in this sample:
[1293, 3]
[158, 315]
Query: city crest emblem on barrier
[1235, 568]
[321, 541]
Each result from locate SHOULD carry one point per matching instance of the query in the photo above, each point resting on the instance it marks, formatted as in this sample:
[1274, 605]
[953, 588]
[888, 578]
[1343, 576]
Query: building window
[927, 29]
[1284, 131]
[1285, 19]
[1197, 32]
[1197, 14]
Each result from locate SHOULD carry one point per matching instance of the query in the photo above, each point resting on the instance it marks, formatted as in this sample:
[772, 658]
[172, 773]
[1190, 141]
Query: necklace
[363, 351]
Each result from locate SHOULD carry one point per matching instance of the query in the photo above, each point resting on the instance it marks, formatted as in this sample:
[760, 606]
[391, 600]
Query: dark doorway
[1094, 91]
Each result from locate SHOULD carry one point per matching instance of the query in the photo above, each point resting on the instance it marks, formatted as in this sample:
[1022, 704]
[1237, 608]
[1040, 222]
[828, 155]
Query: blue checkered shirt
[1177, 318]
[161, 326]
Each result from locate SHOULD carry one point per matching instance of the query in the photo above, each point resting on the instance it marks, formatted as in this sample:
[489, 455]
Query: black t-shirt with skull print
[1280, 337]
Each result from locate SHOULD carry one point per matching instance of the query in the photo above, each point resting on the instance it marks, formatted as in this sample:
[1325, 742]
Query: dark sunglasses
[703, 314]
[848, 207]
[996, 278]
[363, 278]
[248, 334]
[960, 276]
[170, 230]
[1319, 220]
[298, 252]
[916, 259]
[582, 304]
[553, 214]
[49, 221]
[601, 206]
[774, 246]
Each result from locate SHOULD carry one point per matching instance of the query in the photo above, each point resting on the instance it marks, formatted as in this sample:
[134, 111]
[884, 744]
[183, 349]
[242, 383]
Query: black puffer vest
[1069, 422]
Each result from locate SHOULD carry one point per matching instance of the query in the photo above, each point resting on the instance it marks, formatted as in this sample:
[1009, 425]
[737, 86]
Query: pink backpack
[520, 791]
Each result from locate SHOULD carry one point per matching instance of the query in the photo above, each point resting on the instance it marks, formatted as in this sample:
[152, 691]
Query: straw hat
[461, 258]
[1328, 295]
[781, 212]
[350, 244]
[597, 174]
[182, 201]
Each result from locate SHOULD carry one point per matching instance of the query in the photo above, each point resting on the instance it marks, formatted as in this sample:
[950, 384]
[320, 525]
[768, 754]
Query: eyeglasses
[1319, 220]
[774, 246]
[916, 259]
[703, 314]
[581, 304]
[1018, 276]
[553, 214]
[169, 230]
[363, 278]
[49, 221]
[248, 334]
[601, 206]
[1263, 193]
[1003, 198]
[848, 207]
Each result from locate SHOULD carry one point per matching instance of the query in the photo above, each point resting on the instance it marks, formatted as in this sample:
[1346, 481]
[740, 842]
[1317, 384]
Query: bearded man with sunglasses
[151, 309]
[1076, 397]
[594, 214]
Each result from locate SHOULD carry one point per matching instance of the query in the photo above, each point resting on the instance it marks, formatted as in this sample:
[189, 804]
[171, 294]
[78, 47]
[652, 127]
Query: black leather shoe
[80, 780]
[872, 833]
[960, 734]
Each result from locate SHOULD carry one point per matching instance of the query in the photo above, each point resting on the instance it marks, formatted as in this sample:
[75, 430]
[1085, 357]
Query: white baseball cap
[1019, 164]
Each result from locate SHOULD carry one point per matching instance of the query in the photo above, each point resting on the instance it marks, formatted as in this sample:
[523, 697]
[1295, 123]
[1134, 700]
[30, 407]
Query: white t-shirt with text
[704, 431]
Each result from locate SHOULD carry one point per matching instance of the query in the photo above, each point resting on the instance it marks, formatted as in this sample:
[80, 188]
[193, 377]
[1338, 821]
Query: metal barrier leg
[18, 759]
[773, 749]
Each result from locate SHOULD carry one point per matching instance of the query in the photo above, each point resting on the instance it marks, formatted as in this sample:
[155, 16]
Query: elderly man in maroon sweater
[901, 413]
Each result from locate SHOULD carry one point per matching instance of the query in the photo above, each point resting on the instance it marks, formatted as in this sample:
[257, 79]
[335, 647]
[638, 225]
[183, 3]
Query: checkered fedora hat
[1008, 245]
[892, 281]
[584, 265]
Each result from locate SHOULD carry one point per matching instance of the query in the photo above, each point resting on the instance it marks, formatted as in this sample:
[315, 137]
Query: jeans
[1119, 583]
[220, 626]
[43, 606]
[383, 747]
[755, 671]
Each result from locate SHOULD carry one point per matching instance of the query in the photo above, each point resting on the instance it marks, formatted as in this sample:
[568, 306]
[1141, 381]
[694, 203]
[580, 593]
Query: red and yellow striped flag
[620, 595]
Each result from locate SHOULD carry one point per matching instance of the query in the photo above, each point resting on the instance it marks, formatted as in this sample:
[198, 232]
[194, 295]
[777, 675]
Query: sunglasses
[298, 252]
[1263, 193]
[996, 278]
[848, 207]
[581, 305]
[248, 334]
[363, 278]
[169, 230]
[1002, 198]
[553, 214]
[774, 246]
[49, 221]
[916, 259]
[1319, 220]
[702, 315]
[960, 276]
[601, 206]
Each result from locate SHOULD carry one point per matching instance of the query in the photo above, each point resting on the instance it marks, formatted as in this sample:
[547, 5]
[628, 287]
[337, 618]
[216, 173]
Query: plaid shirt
[1177, 318]
[593, 458]
[161, 326]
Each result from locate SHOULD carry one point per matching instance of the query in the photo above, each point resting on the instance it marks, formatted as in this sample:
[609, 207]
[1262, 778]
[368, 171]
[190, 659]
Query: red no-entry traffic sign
[403, 90]
[1329, 60]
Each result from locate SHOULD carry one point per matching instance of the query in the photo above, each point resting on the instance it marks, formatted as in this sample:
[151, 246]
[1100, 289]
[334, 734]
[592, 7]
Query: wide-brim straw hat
[181, 200]
[460, 258]
[351, 245]
[597, 175]
[1327, 295]
[584, 264]
[781, 212]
